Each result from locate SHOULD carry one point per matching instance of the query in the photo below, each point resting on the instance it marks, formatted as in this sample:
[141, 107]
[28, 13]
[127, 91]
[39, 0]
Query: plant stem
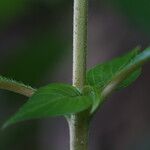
[79, 131]
[79, 123]
[80, 42]
[17, 87]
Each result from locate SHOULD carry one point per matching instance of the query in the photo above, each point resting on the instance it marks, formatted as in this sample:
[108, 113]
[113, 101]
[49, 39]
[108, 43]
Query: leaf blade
[52, 100]
[121, 79]
[137, 62]
[102, 74]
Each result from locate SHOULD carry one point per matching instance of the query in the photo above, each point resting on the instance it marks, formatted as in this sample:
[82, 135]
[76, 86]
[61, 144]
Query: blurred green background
[36, 48]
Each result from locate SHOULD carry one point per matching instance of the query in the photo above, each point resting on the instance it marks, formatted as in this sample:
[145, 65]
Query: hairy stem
[78, 123]
[11, 85]
[79, 42]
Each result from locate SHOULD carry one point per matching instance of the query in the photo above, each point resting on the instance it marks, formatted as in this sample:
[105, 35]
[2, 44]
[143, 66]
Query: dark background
[36, 48]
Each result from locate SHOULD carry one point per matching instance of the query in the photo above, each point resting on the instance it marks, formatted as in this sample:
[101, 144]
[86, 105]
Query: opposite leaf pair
[102, 80]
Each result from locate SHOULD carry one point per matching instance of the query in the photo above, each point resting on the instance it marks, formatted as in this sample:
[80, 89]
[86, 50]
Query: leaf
[102, 74]
[52, 100]
[121, 78]
[137, 62]
[130, 79]
[94, 93]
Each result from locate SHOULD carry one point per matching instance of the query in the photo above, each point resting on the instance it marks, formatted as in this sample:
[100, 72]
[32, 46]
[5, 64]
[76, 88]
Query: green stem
[79, 123]
[79, 131]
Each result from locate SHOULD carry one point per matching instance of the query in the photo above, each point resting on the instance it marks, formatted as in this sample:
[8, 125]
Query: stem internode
[80, 42]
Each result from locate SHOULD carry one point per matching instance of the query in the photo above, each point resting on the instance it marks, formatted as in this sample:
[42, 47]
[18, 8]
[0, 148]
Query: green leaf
[136, 62]
[102, 74]
[122, 77]
[128, 81]
[52, 100]
[94, 93]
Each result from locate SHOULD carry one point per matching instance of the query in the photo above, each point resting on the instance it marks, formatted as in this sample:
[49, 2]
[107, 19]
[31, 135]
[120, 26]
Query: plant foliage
[52, 100]
[64, 99]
